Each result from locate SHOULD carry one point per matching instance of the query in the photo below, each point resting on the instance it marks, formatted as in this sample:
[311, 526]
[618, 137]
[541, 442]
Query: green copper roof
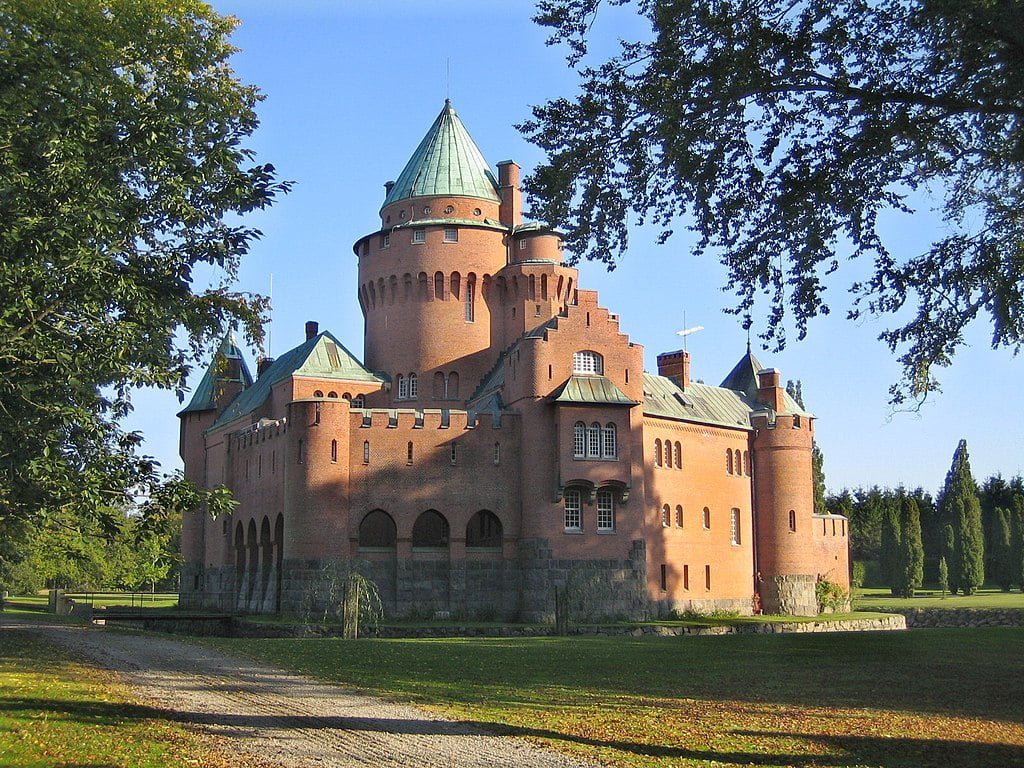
[700, 403]
[591, 390]
[322, 357]
[743, 378]
[447, 162]
[205, 396]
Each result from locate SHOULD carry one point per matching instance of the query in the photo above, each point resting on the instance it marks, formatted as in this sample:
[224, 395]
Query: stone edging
[963, 617]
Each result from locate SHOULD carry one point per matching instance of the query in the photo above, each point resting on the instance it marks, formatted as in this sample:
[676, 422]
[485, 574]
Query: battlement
[422, 419]
[261, 431]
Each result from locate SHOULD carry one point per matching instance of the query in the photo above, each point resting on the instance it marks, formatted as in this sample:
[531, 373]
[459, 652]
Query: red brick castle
[499, 440]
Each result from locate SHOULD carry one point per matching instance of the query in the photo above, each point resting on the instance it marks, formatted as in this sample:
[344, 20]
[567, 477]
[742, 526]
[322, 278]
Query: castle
[499, 441]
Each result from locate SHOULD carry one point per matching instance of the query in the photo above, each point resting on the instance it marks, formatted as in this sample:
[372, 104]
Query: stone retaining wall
[252, 629]
[963, 617]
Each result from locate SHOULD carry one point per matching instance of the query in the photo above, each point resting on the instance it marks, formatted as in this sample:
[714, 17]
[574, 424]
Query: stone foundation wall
[790, 595]
[963, 617]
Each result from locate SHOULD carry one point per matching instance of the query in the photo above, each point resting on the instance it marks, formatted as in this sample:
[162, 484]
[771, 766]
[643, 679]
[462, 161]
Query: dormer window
[587, 362]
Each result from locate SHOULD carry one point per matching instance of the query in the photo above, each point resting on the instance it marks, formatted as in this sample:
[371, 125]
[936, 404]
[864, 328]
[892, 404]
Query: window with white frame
[594, 441]
[679, 516]
[579, 440]
[609, 447]
[734, 526]
[573, 513]
[666, 519]
[403, 387]
[522, 244]
[587, 361]
[385, 241]
[358, 402]
[451, 235]
[605, 511]
[419, 235]
[413, 387]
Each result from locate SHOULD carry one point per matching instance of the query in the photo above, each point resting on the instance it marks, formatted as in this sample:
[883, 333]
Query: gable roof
[322, 357]
[204, 398]
[446, 162]
[700, 402]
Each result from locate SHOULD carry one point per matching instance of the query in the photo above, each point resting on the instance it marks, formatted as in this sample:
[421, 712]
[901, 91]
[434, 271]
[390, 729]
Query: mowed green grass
[872, 599]
[56, 711]
[137, 599]
[920, 698]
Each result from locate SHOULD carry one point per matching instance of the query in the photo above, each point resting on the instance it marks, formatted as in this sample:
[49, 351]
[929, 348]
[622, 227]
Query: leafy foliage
[782, 132]
[123, 171]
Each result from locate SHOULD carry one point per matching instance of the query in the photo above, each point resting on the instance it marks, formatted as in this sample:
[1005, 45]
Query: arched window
[666, 517]
[366, 451]
[483, 530]
[679, 516]
[792, 519]
[393, 283]
[605, 511]
[679, 456]
[452, 385]
[657, 453]
[402, 386]
[533, 287]
[728, 461]
[333, 395]
[439, 286]
[573, 510]
[707, 518]
[746, 463]
[579, 440]
[318, 393]
[430, 530]
[544, 286]
[316, 413]
[413, 386]
[594, 441]
[422, 281]
[470, 300]
[334, 451]
[438, 386]
[497, 454]
[610, 445]
[456, 283]
[408, 453]
[407, 282]
[734, 526]
[587, 361]
[378, 530]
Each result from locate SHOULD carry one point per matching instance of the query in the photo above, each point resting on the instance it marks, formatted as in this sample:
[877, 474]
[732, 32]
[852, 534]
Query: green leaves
[122, 160]
[781, 132]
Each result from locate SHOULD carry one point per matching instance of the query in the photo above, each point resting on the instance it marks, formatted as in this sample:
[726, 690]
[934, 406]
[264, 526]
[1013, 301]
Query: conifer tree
[1017, 531]
[961, 510]
[947, 556]
[1002, 550]
[890, 550]
[910, 563]
[943, 576]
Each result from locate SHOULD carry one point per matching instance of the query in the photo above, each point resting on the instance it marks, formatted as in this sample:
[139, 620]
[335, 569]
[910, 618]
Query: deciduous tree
[123, 169]
[782, 131]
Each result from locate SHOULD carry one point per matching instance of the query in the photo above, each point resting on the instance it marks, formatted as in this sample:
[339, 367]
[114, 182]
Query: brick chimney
[511, 209]
[312, 329]
[262, 365]
[676, 366]
[388, 186]
[769, 389]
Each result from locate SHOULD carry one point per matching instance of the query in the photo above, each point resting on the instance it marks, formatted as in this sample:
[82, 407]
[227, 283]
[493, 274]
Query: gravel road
[284, 718]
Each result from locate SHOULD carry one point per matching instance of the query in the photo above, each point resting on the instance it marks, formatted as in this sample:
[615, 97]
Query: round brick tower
[784, 500]
[425, 277]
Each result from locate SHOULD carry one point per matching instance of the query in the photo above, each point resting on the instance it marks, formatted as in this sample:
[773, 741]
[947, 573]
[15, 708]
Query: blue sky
[350, 90]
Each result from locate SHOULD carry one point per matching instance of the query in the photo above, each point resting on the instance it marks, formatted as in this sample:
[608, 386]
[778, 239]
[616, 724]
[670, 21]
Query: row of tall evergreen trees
[953, 541]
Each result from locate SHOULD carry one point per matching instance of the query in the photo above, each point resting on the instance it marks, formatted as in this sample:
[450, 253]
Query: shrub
[832, 598]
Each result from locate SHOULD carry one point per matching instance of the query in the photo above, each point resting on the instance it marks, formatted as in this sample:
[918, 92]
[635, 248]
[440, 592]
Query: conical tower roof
[446, 162]
[205, 396]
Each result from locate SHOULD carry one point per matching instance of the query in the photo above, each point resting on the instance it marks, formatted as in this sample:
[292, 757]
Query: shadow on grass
[843, 751]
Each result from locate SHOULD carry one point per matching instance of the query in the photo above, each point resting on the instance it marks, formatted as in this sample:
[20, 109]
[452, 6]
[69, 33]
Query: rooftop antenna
[687, 331]
[270, 313]
[448, 80]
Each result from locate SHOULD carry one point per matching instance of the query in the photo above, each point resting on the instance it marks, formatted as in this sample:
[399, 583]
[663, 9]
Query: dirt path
[285, 718]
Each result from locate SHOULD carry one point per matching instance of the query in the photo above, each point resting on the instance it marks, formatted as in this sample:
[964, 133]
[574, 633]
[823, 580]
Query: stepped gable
[205, 396]
[322, 357]
[447, 162]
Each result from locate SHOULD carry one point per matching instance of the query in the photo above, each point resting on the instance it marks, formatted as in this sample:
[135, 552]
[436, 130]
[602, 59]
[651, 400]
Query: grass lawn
[872, 599]
[915, 699]
[137, 599]
[56, 711]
